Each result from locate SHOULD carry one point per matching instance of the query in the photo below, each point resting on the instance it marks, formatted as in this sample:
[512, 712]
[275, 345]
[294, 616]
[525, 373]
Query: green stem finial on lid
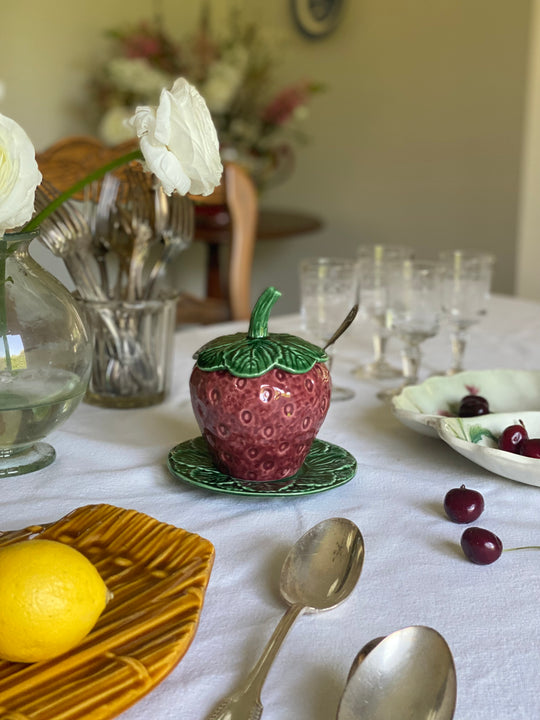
[259, 351]
[258, 324]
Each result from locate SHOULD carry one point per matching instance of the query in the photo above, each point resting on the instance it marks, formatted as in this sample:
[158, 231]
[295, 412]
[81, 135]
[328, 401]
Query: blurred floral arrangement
[256, 125]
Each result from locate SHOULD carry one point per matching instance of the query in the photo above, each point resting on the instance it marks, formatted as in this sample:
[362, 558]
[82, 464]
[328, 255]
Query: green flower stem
[79, 185]
[3, 319]
[258, 324]
[3, 314]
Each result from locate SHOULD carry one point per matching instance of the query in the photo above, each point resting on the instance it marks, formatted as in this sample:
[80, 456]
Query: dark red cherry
[481, 546]
[463, 505]
[530, 447]
[512, 437]
[472, 405]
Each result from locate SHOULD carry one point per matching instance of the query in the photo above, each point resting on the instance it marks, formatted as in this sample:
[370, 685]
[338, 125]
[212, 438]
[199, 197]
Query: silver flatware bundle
[121, 242]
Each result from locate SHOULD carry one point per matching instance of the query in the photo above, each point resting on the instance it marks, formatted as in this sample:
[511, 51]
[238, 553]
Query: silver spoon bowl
[408, 675]
[319, 573]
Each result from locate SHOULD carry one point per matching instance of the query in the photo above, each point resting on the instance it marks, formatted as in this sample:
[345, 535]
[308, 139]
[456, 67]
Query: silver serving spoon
[408, 675]
[319, 572]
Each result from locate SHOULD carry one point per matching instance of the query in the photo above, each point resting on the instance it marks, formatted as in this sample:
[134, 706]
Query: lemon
[50, 598]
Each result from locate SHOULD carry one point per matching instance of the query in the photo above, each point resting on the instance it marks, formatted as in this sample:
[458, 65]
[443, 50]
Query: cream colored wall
[425, 148]
[417, 139]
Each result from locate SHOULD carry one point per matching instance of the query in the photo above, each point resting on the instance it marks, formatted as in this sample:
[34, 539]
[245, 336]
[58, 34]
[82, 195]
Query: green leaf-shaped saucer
[327, 466]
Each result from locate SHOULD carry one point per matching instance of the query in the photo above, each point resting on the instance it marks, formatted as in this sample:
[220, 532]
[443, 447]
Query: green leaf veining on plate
[458, 430]
[259, 351]
[476, 433]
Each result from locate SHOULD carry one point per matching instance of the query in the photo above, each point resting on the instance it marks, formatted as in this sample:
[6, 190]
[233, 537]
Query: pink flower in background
[234, 72]
[142, 46]
[281, 109]
[150, 43]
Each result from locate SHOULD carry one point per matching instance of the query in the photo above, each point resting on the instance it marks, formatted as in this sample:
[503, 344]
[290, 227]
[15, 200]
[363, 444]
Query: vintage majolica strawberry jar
[260, 398]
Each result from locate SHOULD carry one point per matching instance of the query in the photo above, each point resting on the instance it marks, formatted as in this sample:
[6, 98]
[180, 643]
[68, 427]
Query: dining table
[414, 570]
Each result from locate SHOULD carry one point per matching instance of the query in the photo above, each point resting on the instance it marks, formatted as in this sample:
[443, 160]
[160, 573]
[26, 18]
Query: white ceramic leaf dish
[422, 406]
[476, 439]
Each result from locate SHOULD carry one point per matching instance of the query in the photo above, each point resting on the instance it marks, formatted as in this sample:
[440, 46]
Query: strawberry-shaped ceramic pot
[260, 398]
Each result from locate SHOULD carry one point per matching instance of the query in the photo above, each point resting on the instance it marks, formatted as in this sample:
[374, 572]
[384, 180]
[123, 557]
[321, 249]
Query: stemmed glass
[328, 290]
[374, 264]
[414, 309]
[465, 286]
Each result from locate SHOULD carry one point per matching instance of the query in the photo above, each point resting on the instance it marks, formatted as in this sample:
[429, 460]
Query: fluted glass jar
[45, 357]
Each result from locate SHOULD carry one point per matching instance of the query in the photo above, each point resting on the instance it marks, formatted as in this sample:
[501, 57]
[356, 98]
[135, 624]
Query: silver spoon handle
[344, 325]
[245, 704]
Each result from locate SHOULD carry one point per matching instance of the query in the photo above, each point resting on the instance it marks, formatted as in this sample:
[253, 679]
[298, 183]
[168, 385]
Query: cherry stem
[525, 547]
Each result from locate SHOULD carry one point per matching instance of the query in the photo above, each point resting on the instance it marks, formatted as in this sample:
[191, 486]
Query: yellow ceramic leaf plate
[158, 574]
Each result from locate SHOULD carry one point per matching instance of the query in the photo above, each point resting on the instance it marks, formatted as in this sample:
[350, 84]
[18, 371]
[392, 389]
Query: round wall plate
[316, 18]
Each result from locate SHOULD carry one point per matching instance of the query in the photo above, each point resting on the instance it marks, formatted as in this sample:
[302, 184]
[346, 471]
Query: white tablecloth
[414, 571]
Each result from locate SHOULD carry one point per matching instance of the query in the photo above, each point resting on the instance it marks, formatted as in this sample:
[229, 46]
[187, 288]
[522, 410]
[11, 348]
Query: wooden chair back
[238, 194]
[71, 158]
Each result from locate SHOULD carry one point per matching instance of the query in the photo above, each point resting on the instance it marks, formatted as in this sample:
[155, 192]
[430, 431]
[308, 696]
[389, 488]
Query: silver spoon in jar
[319, 573]
[344, 325]
[408, 675]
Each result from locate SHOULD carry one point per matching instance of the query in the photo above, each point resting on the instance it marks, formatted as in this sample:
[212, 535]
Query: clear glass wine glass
[328, 290]
[465, 289]
[374, 264]
[413, 313]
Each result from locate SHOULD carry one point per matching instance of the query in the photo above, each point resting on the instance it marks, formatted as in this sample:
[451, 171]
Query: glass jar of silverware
[121, 241]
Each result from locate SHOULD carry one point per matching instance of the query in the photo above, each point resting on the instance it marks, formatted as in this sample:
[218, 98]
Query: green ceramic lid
[259, 351]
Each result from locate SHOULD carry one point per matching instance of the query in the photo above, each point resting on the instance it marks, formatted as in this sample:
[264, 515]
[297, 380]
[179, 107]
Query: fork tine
[106, 200]
[140, 197]
[90, 200]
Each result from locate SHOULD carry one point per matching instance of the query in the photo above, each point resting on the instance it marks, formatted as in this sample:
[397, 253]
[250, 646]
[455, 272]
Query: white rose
[19, 175]
[179, 141]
